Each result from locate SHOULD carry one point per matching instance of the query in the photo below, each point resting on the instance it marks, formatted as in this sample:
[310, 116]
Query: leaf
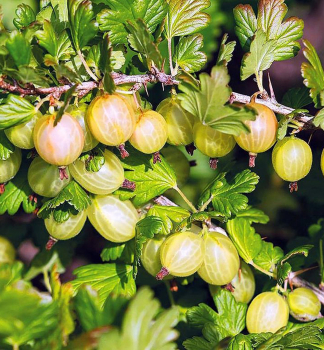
[269, 256]
[82, 24]
[16, 194]
[25, 16]
[10, 274]
[145, 229]
[198, 343]
[254, 215]
[144, 326]
[151, 179]
[89, 340]
[120, 12]
[72, 195]
[187, 54]
[119, 251]
[209, 104]
[245, 24]
[169, 215]
[225, 51]
[260, 57]
[318, 121]
[313, 74]
[94, 159]
[105, 65]
[297, 97]
[303, 250]
[19, 48]
[240, 342]
[15, 110]
[186, 17]
[246, 241]
[228, 199]
[106, 279]
[283, 271]
[6, 147]
[142, 41]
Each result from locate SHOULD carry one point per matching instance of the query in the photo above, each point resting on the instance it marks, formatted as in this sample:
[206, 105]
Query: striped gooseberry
[181, 254]
[304, 304]
[66, 229]
[7, 251]
[44, 179]
[263, 131]
[179, 122]
[114, 219]
[104, 181]
[212, 143]
[292, 160]
[9, 167]
[79, 113]
[150, 133]
[59, 144]
[221, 260]
[268, 312]
[21, 135]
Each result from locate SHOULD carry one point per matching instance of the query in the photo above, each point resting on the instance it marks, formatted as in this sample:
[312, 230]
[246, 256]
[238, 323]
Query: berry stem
[252, 157]
[191, 148]
[163, 273]
[129, 185]
[169, 292]
[268, 273]
[50, 243]
[184, 197]
[293, 187]
[124, 154]
[213, 163]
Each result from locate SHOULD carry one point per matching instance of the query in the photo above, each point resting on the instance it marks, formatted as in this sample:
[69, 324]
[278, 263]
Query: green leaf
[210, 106]
[145, 229]
[10, 274]
[16, 194]
[227, 198]
[19, 48]
[72, 195]
[313, 74]
[269, 256]
[142, 41]
[94, 159]
[246, 241]
[144, 326]
[169, 215]
[120, 12]
[119, 251]
[245, 24]
[198, 343]
[82, 24]
[297, 97]
[25, 75]
[283, 271]
[61, 7]
[260, 57]
[319, 119]
[254, 215]
[151, 179]
[303, 250]
[15, 110]
[187, 54]
[105, 65]
[106, 279]
[6, 147]
[25, 16]
[240, 342]
[225, 51]
[186, 17]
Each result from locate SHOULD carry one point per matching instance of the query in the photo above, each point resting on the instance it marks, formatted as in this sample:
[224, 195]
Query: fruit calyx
[191, 148]
[124, 154]
[293, 187]
[163, 273]
[213, 163]
[252, 157]
[63, 173]
[129, 185]
[156, 157]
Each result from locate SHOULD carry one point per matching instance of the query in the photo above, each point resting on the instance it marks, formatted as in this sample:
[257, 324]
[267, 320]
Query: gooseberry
[304, 304]
[212, 143]
[105, 181]
[7, 251]
[59, 144]
[268, 312]
[114, 219]
[9, 167]
[221, 260]
[66, 229]
[150, 133]
[263, 131]
[292, 160]
[179, 122]
[44, 179]
[181, 254]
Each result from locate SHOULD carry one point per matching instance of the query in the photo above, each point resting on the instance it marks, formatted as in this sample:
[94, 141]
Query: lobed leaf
[119, 251]
[297, 97]
[225, 51]
[6, 147]
[269, 256]
[19, 48]
[25, 16]
[254, 215]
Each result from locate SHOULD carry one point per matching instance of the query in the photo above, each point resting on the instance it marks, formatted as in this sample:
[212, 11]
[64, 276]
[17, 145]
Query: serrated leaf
[82, 24]
[246, 241]
[151, 179]
[260, 57]
[19, 48]
[113, 19]
[254, 215]
[170, 216]
[15, 110]
[105, 65]
[119, 251]
[313, 74]
[94, 159]
[145, 229]
[269, 256]
[89, 340]
[198, 343]
[297, 97]
[25, 75]
[142, 41]
[209, 104]
[303, 250]
[72, 195]
[283, 271]
[6, 147]
[186, 17]
[245, 24]
[106, 279]
[10, 274]
[228, 198]
[117, 60]
[25, 16]
[319, 119]
[187, 54]
[225, 51]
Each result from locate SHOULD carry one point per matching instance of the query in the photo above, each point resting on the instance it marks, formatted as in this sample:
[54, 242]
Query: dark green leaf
[226, 51]
[297, 97]
[240, 342]
[198, 343]
[106, 279]
[303, 250]
[119, 251]
[19, 48]
[10, 274]
[283, 271]
[113, 19]
[15, 110]
[6, 147]
[25, 16]
[25, 75]
[105, 65]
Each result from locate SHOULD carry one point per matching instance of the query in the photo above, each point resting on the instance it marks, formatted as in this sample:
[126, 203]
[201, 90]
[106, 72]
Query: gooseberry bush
[105, 107]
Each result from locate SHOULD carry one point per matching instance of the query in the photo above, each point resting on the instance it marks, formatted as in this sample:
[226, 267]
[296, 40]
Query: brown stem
[50, 243]
[191, 148]
[213, 163]
[163, 273]
[124, 154]
[63, 173]
[129, 185]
